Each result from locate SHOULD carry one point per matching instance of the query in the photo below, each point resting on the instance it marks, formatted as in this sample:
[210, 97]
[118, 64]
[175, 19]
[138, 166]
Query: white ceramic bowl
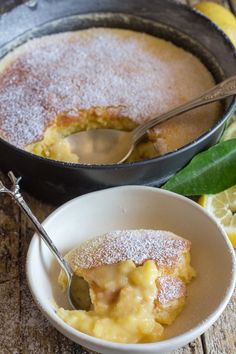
[138, 207]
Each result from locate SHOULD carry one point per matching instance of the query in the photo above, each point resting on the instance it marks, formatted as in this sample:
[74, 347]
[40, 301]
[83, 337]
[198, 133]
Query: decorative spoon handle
[14, 192]
[225, 89]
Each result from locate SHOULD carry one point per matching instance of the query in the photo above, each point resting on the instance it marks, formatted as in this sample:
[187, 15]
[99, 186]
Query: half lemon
[222, 205]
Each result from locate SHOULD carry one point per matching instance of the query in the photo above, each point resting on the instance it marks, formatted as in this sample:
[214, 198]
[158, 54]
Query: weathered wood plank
[221, 337]
[10, 341]
[37, 335]
[194, 347]
[9, 275]
[9, 237]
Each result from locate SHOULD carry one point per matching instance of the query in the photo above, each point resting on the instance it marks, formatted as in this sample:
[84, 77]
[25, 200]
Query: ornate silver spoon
[80, 301]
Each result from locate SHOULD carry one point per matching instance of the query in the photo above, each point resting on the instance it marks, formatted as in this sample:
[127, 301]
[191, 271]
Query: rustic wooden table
[23, 329]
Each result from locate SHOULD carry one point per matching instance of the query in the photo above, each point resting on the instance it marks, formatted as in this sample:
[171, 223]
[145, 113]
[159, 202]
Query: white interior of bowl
[138, 207]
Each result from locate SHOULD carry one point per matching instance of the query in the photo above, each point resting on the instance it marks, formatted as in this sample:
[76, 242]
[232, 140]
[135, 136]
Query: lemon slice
[223, 205]
[220, 16]
[230, 132]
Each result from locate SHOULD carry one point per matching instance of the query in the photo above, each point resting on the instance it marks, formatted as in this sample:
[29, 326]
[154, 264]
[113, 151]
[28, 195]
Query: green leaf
[209, 172]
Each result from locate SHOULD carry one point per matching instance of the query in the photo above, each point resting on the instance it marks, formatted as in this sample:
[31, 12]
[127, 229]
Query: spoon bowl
[109, 146]
[99, 146]
[78, 293]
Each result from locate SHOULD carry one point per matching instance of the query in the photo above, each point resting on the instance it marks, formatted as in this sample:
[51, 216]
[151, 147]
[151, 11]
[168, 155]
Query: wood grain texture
[9, 275]
[9, 239]
[221, 337]
[24, 330]
[10, 323]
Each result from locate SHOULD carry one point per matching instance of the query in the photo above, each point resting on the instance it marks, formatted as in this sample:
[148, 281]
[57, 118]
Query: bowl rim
[176, 341]
[222, 120]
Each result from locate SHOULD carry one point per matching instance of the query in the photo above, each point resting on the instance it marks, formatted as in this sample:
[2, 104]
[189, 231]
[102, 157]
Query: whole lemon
[220, 16]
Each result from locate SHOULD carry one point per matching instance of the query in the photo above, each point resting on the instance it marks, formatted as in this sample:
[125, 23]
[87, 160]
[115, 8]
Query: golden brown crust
[137, 74]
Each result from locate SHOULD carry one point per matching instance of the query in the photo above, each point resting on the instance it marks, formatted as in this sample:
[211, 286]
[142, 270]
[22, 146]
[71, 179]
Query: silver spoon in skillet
[79, 301]
[108, 146]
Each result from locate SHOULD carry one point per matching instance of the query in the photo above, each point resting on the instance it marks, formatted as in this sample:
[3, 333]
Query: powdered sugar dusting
[137, 245]
[70, 71]
[170, 288]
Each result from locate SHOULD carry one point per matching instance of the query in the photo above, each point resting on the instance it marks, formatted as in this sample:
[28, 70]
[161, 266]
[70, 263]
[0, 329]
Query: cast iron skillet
[58, 181]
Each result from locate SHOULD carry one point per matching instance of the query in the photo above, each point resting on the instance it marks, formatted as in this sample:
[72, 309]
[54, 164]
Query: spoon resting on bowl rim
[79, 301]
[109, 146]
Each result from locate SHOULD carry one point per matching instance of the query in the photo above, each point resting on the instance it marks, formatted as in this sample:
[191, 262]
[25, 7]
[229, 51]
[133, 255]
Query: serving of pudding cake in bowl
[149, 256]
[108, 68]
[137, 284]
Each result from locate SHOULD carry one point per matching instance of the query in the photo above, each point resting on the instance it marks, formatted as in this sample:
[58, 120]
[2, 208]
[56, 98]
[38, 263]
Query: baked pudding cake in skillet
[137, 281]
[63, 83]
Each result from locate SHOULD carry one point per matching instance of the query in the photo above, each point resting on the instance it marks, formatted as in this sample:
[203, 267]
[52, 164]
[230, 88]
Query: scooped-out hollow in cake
[137, 281]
